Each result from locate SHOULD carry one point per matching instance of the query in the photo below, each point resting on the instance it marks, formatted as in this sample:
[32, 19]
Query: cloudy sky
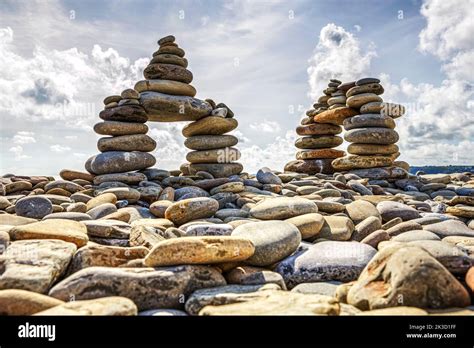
[267, 60]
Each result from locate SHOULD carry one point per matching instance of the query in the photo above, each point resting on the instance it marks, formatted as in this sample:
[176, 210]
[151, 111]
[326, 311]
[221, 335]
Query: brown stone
[319, 153]
[211, 125]
[361, 162]
[68, 174]
[335, 116]
[166, 86]
[168, 72]
[23, 302]
[372, 149]
[318, 129]
[125, 113]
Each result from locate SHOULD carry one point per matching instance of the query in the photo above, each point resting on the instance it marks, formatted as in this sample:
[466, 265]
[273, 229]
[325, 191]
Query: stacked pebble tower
[371, 133]
[126, 146]
[318, 137]
[213, 150]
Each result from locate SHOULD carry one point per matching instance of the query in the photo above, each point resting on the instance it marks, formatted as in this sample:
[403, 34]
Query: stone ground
[271, 243]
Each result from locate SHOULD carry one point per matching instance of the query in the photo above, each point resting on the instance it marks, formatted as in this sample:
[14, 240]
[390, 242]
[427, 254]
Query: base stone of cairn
[371, 133]
[319, 134]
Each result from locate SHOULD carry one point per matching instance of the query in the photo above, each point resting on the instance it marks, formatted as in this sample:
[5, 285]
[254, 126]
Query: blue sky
[265, 59]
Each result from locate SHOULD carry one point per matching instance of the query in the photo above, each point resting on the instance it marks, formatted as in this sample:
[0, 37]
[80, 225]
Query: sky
[267, 60]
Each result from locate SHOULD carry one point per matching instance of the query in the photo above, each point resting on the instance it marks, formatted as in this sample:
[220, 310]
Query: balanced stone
[148, 288]
[318, 129]
[166, 86]
[212, 125]
[311, 166]
[366, 80]
[135, 142]
[318, 142]
[375, 88]
[168, 72]
[355, 161]
[376, 135]
[199, 250]
[167, 58]
[224, 155]
[369, 120]
[217, 170]
[167, 108]
[335, 116]
[319, 153]
[372, 149]
[120, 128]
[207, 142]
[273, 240]
[119, 162]
[125, 113]
[168, 49]
[356, 101]
[341, 261]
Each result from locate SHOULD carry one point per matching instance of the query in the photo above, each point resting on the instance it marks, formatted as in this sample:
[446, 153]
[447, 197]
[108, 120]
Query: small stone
[319, 288]
[361, 210]
[367, 226]
[130, 94]
[35, 265]
[335, 116]
[68, 174]
[191, 209]
[101, 199]
[460, 210]
[325, 261]
[125, 178]
[167, 58]
[117, 128]
[273, 240]
[207, 142]
[167, 108]
[70, 216]
[361, 162]
[102, 211]
[35, 207]
[166, 39]
[209, 230]
[319, 153]
[212, 125]
[372, 149]
[311, 166]
[125, 113]
[356, 101]
[112, 99]
[22, 302]
[168, 72]
[338, 228]
[148, 288]
[390, 210]
[317, 142]
[199, 250]
[119, 162]
[449, 228]
[225, 155]
[369, 121]
[406, 272]
[375, 88]
[135, 142]
[367, 80]
[273, 302]
[282, 208]
[415, 235]
[266, 176]
[318, 129]
[101, 306]
[309, 225]
[376, 237]
[374, 135]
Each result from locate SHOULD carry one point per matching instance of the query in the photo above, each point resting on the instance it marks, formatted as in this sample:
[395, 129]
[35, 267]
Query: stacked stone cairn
[213, 150]
[371, 132]
[318, 135]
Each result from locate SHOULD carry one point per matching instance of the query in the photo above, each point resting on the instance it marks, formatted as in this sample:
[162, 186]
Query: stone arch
[165, 95]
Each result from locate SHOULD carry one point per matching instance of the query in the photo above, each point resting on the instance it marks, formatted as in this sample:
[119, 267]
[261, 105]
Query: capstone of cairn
[371, 133]
[319, 135]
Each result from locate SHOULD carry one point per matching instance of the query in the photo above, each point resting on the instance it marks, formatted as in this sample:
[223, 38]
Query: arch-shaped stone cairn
[371, 132]
[164, 96]
[318, 132]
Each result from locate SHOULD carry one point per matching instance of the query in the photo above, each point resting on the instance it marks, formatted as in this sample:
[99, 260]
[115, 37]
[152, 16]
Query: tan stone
[211, 125]
[356, 101]
[361, 162]
[113, 305]
[199, 250]
[66, 230]
[335, 116]
[224, 155]
[191, 209]
[274, 302]
[166, 86]
[372, 149]
[309, 225]
[69, 174]
[101, 199]
[318, 129]
[319, 153]
[23, 302]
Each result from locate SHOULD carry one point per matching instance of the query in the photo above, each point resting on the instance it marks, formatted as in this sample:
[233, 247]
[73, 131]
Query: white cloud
[59, 148]
[449, 27]
[338, 54]
[18, 152]
[23, 137]
[266, 126]
[357, 27]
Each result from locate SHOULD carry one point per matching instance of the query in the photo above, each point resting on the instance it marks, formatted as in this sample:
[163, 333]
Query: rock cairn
[213, 150]
[372, 132]
[126, 146]
[318, 136]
